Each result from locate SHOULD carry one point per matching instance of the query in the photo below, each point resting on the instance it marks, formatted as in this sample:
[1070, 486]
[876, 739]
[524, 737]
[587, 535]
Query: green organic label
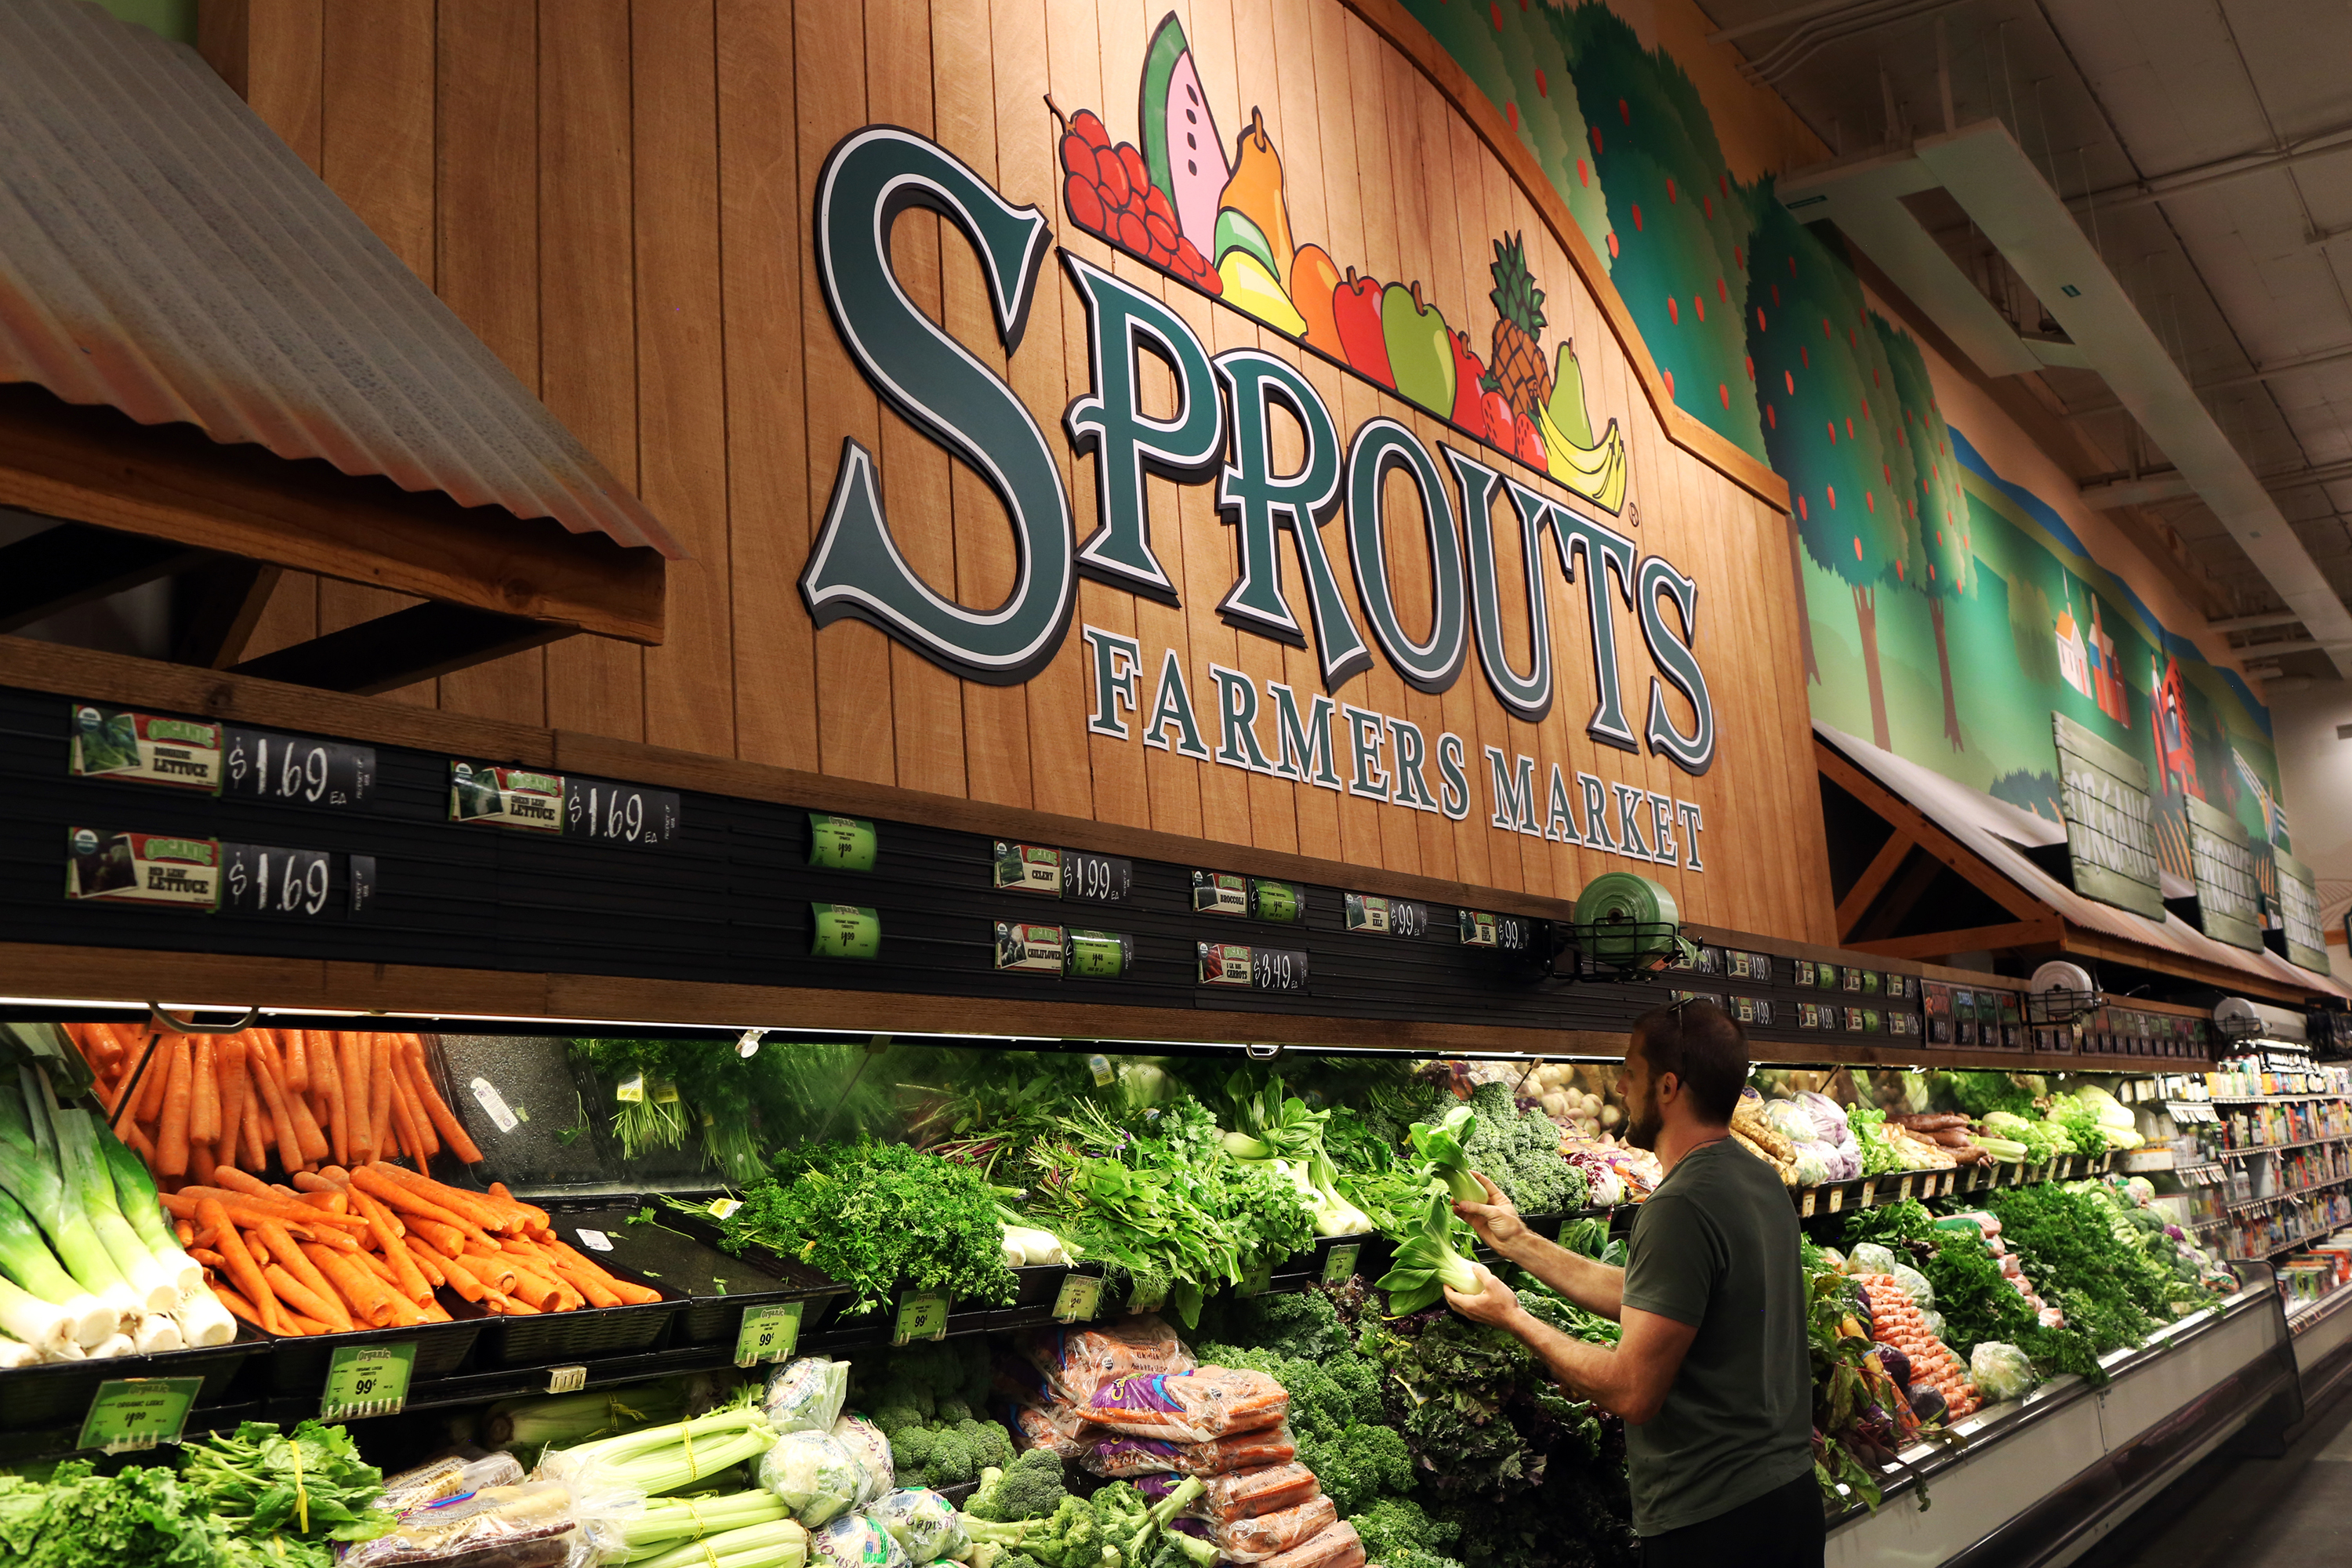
[1478, 929]
[1219, 893]
[844, 843]
[769, 1333]
[1020, 945]
[1339, 1263]
[1098, 956]
[132, 1413]
[1079, 1299]
[1031, 867]
[844, 930]
[367, 1380]
[1285, 901]
[922, 1315]
[1260, 1276]
[138, 748]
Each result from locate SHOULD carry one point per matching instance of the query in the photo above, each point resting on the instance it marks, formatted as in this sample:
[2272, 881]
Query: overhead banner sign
[2110, 821]
[2299, 935]
[2228, 889]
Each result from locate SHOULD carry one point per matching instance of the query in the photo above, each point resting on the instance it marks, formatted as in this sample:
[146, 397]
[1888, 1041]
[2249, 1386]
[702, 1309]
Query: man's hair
[1704, 1046]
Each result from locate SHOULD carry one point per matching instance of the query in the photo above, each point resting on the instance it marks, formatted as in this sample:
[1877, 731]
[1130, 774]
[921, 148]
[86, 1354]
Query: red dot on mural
[1670, 382]
[1759, 318]
[1833, 429]
[1803, 511]
[1751, 367]
[1674, 310]
[1724, 392]
[1833, 495]
[1873, 375]
[1792, 265]
[1637, 218]
[1898, 571]
[1670, 190]
[1596, 141]
[1497, 13]
[1825, 330]
[1939, 536]
[1870, 502]
[1805, 357]
[1513, 110]
[1849, 426]
[1707, 205]
[1582, 178]
[1624, 111]
[1888, 471]
[1931, 571]
[1698, 303]
[1721, 292]
[1789, 378]
[1771, 416]
[1543, 88]
[1612, 245]
[1736, 259]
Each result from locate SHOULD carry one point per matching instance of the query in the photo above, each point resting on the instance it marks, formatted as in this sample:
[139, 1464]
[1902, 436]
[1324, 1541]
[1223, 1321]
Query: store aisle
[2294, 1511]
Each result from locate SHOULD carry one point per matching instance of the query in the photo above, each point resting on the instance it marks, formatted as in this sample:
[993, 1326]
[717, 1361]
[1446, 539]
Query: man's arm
[1598, 1288]
[1629, 1381]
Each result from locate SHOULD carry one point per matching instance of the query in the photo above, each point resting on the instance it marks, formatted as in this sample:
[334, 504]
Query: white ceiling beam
[2170, 484]
[2255, 623]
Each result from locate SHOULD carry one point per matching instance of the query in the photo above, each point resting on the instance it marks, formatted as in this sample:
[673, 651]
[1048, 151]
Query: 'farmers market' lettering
[1220, 429]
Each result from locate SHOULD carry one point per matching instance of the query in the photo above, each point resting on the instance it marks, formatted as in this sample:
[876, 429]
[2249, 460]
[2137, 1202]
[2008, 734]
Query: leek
[27, 1262]
[664, 1459]
[563, 1419]
[782, 1544]
[89, 1185]
[142, 1206]
[30, 1172]
[40, 1324]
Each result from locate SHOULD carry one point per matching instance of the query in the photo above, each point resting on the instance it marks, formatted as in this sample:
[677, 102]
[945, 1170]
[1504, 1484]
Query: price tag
[1870, 1192]
[361, 885]
[132, 1413]
[367, 1380]
[1219, 893]
[1098, 956]
[922, 1315]
[620, 813]
[1367, 913]
[143, 868]
[1478, 929]
[1105, 878]
[289, 769]
[1224, 964]
[258, 880]
[1283, 901]
[721, 1207]
[1808, 1204]
[1033, 948]
[1339, 1263]
[844, 843]
[1099, 1068]
[506, 798]
[1837, 1199]
[494, 1104]
[844, 930]
[142, 748]
[1255, 1282]
[1277, 969]
[771, 1333]
[1079, 1299]
[566, 1379]
[1029, 867]
[597, 1241]
[1906, 1190]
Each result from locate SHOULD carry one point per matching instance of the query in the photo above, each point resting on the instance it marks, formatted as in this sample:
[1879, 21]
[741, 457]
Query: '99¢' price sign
[769, 1333]
[367, 1380]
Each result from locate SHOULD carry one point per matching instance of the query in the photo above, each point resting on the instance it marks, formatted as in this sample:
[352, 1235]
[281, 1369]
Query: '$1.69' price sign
[367, 1380]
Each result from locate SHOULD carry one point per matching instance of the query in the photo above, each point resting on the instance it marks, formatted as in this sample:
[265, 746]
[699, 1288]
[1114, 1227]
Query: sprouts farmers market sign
[1252, 425]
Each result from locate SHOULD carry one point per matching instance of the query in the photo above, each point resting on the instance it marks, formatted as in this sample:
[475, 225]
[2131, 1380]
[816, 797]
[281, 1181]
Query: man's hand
[1497, 1220]
[1496, 1302]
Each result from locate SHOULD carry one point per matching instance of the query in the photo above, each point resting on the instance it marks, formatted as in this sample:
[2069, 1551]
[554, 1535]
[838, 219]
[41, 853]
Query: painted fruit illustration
[1468, 378]
[1182, 149]
[1255, 192]
[1519, 367]
[1566, 404]
[1314, 283]
[1421, 348]
[1253, 290]
[1237, 231]
[1498, 418]
[1108, 191]
[1527, 444]
[1355, 309]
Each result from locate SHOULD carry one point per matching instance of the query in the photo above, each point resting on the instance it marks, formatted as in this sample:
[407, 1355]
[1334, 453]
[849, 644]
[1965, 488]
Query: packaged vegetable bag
[812, 1476]
[923, 1522]
[1196, 1407]
[865, 1444]
[1334, 1546]
[1999, 1371]
[1240, 1494]
[855, 1541]
[1121, 1455]
[1272, 1534]
[1076, 1359]
[807, 1394]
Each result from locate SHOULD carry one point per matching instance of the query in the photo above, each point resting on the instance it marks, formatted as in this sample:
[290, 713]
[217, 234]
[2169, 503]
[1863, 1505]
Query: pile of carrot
[368, 1246]
[309, 1096]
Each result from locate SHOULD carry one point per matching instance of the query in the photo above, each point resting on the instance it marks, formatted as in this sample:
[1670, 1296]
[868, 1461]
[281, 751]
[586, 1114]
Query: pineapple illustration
[1519, 370]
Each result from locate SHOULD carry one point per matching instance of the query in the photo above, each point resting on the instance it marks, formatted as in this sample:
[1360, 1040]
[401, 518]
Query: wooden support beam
[1902, 896]
[1906, 819]
[1866, 887]
[1977, 939]
[216, 607]
[401, 649]
[171, 482]
[74, 563]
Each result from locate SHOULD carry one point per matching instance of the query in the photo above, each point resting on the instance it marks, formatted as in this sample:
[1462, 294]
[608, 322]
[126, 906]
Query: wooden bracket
[74, 563]
[405, 646]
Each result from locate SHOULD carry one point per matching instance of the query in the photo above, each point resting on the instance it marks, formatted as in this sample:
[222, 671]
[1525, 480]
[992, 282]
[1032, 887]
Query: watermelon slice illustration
[1182, 149]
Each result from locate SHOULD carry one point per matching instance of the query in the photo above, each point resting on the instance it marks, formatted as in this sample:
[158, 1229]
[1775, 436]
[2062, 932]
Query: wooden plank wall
[615, 197]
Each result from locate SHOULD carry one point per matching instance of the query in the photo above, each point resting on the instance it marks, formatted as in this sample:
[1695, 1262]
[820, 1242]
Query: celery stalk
[780, 1545]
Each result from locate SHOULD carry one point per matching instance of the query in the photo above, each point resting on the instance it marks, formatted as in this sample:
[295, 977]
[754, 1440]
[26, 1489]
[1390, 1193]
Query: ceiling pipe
[2255, 623]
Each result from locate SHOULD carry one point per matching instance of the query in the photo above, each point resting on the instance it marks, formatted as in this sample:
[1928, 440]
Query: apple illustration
[1497, 427]
[1420, 349]
[1356, 312]
[1467, 374]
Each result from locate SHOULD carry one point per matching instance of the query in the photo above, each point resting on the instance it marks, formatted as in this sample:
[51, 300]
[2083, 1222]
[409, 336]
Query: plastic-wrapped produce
[1334, 1546]
[1814, 1163]
[1052, 1424]
[1117, 1455]
[1915, 1285]
[1272, 1534]
[923, 1522]
[1828, 1116]
[855, 1541]
[1239, 1494]
[1791, 1121]
[531, 1526]
[807, 1394]
[813, 1475]
[1077, 1359]
[1870, 1257]
[866, 1444]
[1189, 1407]
[1999, 1371]
[448, 1477]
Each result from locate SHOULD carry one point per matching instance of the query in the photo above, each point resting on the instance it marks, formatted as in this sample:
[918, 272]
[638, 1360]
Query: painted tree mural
[1817, 357]
[1929, 481]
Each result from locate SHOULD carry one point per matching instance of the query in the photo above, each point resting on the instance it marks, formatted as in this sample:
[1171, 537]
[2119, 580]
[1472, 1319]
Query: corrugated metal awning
[163, 253]
[1994, 831]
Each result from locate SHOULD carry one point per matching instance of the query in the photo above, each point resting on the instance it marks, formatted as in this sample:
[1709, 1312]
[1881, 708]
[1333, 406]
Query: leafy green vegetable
[1519, 1152]
[1878, 1152]
[879, 1218]
[139, 1518]
[1399, 1534]
[1428, 1260]
[310, 1483]
[1980, 1093]
[1439, 1148]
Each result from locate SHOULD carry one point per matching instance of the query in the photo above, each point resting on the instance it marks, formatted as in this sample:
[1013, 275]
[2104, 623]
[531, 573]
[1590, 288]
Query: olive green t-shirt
[1716, 1247]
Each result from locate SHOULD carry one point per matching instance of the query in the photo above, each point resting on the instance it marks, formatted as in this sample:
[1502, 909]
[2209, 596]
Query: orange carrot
[294, 1051]
[228, 1054]
[308, 1138]
[254, 1138]
[184, 1203]
[237, 1181]
[371, 1179]
[403, 1130]
[587, 1284]
[351, 1058]
[326, 1065]
[203, 1110]
[537, 1216]
[412, 1084]
[242, 1270]
[437, 1108]
[272, 1091]
[151, 1087]
[371, 1300]
[136, 1138]
[172, 1134]
[461, 1280]
[283, 1249]
[482, 1210]
[307, 1299]
[380, 1095]
[625, 1289]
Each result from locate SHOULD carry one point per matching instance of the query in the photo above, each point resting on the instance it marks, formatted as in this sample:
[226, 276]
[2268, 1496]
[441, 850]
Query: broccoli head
[1068, 1538]
[1358, 1465]
[951, 1411]
[990, 1443]
[1030, 1488]
[950, 1462]
[892, 1419]
[911, 1447]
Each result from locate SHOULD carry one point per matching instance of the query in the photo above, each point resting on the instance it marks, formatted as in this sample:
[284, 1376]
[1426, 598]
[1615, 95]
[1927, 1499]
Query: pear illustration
[1256, 192]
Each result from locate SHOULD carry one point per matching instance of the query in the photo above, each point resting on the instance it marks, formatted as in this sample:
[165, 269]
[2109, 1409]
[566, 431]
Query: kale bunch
[1519, 1152]
[879, 1218]
[1399, 1534]
[1336, 1418]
